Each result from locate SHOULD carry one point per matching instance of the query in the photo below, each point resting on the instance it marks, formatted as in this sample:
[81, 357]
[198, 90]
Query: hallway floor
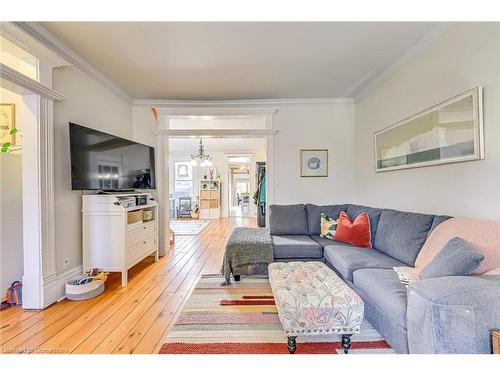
[239, 211]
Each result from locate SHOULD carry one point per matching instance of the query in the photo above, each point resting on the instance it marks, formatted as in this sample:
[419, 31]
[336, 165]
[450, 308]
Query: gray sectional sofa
[443, 315]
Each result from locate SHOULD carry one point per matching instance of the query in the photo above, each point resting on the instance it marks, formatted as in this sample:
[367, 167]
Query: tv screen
[101, 161]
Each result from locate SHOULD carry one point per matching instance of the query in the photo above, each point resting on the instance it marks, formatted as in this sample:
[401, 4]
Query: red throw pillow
[355, 232]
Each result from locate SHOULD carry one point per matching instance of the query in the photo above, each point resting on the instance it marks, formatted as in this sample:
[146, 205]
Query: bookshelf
[210, 194]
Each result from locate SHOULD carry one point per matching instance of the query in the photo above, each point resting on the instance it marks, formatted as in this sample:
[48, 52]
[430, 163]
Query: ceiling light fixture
[205, 159]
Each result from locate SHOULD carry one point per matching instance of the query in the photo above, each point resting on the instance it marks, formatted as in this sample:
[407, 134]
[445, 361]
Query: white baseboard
[54, 288]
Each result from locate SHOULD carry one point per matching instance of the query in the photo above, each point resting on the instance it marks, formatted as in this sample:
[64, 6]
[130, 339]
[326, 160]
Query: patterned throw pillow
[328, 226]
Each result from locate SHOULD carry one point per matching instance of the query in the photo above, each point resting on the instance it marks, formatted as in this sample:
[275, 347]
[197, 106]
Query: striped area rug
[242, 319]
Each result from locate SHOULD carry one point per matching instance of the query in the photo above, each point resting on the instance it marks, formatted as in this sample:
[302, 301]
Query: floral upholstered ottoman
[312, 300]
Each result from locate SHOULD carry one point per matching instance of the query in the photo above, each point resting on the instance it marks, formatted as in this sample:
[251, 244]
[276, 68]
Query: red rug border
[330, 347]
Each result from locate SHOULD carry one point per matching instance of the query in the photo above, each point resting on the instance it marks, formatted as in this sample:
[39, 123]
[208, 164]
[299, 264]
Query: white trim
[162, 180]
[33, 251]
[18, 79]
[227, 111]
[54, 286]
[44, 37]
[218, 133]
[38, 186]
[47, 199]
[228, 103]
[269, 168]
[13, 33]
[378, 76]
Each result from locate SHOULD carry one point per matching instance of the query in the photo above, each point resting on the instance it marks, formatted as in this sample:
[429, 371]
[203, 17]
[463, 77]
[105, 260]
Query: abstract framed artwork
[7, 123]
[449, 132]
[314, 163]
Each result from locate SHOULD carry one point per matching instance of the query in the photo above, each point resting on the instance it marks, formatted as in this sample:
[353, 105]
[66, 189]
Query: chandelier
[205, 159]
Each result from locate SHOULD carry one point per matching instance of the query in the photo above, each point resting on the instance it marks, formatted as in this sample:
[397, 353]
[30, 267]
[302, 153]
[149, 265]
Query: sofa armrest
[453, 314]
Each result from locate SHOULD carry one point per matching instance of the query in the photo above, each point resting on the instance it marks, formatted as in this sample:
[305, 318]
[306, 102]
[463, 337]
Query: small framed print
[183, 171]
[314, 163]
[7, 123]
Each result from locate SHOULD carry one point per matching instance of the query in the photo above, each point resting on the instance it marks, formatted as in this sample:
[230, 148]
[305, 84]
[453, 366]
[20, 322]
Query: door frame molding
[165, 113]
[39, 253]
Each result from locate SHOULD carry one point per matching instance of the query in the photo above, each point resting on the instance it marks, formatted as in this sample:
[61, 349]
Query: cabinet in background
[210, 197]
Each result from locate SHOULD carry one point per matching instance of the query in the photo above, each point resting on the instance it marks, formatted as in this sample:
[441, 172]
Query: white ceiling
[246, 60]
[237, 145]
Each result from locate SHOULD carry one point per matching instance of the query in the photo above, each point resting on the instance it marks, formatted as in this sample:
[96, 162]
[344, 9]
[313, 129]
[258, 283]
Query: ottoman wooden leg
[346, 343]
[237, 277]
[292, 345]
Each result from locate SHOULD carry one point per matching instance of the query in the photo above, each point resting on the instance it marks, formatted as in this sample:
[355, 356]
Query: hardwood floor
[127, 320]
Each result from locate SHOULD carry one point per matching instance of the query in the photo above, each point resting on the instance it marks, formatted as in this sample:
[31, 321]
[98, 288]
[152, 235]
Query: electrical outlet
[66, 263]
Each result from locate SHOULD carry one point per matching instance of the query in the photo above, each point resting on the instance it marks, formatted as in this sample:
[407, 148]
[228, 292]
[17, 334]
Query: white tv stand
[110, 243]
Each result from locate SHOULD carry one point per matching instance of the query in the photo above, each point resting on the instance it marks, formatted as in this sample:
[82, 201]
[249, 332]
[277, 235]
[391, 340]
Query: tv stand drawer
[146, 245]
[138, 233]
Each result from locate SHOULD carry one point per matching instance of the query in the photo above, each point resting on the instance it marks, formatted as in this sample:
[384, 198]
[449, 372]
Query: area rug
[188, 227]
[242, 319]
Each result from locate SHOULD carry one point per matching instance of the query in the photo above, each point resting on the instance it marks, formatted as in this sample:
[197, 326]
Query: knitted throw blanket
[247, 247]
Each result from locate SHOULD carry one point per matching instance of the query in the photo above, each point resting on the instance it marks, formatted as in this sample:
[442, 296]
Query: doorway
[242, 186]
[166, 117]
[219, 187]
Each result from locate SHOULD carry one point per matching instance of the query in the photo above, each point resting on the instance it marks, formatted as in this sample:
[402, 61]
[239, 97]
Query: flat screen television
[101, 161]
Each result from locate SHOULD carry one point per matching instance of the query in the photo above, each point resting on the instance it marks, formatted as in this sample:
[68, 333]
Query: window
[18, 59]
[242, 187]
[108, 177]
[183, 182]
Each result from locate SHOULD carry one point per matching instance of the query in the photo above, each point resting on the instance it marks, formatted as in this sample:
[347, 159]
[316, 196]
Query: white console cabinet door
[104, 237]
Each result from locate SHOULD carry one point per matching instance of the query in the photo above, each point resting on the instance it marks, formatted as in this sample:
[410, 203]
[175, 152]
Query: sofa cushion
[296, 247]
[354, 210]
[314, 215]
[323, 241]
[385, 292]
[457, 258]
[288, 219]
[347, 258]
[402, 234]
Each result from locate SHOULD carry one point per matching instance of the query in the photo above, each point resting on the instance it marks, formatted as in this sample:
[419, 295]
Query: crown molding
[20, 80]
[378, 76]
[232, 103]
[44, 37]
[13, 33]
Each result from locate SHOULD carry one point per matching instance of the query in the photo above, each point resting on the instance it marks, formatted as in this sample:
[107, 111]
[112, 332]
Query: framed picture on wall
[7, 123]
[183, 171]
[449, 132]
[314, 163]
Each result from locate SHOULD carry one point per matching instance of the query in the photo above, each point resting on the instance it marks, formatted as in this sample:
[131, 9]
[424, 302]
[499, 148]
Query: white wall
[321, 125]
[11, 201]
[90, 104]
[11, 220]
[312, 125]
[466, 56]
[143, 125]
